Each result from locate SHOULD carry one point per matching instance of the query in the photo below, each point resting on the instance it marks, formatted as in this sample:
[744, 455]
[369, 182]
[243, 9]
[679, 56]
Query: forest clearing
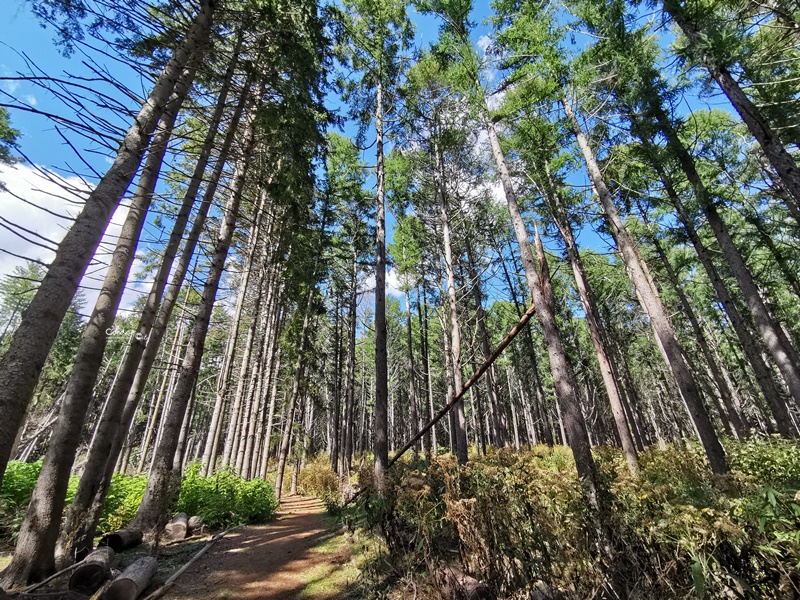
[382, 299]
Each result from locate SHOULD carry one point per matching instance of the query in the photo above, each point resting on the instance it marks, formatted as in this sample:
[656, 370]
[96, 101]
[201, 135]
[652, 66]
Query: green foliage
[678, 531]
[18, 483]
[8, 139]
[225, 498]
[124, 496]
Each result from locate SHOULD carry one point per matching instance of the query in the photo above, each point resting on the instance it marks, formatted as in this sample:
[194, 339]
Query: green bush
[225, 498]
[124, 497]
[18, 483]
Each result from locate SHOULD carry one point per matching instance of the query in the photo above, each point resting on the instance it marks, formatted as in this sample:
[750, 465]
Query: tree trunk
[381, 408]
[725, 393]
[781, 349]
[299, 368]
[651, 302]
[541, 293]
[461, 442]
[767, 138]
[39, 532]
[350, 378]
[429, 439]
[85, 511]
[498, 428]
[161, 486]
[22, 364]
[592, 316]
[763, 374]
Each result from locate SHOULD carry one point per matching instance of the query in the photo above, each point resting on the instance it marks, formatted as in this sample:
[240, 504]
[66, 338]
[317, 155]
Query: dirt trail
[301, 555]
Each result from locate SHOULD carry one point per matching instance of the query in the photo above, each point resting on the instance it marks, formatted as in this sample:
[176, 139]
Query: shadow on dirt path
[299, 556]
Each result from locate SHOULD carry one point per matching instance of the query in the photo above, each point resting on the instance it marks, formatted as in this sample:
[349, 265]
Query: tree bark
[592, 317]
[299, 368]
[767, 138]
[765, 379]
[461, 442]
[541, 293]
[381, 408]
[85, 511]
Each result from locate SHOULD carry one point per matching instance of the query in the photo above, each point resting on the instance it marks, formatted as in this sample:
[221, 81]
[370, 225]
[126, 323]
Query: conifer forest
[510, 290]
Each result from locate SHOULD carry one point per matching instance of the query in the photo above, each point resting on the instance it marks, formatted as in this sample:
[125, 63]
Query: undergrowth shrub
[225, 499]
[124, 497]
[318, 479]
[518, 519]
[18, 482]
[221, 500]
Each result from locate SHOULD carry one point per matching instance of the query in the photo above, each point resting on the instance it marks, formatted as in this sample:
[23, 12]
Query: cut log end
[195, 523]
[89, 576]
[177, 528]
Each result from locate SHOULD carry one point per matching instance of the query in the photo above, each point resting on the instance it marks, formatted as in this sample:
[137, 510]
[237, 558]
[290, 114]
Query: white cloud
[484, 42]
[392, 284]
[31, 100]
[32, 185]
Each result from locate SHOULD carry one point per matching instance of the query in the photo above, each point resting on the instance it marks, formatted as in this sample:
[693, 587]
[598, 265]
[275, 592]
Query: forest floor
[302, 555]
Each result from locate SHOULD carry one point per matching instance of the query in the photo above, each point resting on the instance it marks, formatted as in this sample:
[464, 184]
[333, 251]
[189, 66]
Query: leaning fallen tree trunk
[177, 528]
[133, 580]
[122, 539]
[92, 571]
[470, 382]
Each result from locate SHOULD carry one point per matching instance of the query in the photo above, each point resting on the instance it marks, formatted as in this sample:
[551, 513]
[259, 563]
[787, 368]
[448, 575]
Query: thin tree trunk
[162, 487]
[781, 349]
[36, 544]
[767, 138]
[461, 445]
[651, 302]
[596, 332]
[299, 368]
[542, 295]
[429, 439]
[498, 429]
[380, 434]
[89, 498]
[763, 374]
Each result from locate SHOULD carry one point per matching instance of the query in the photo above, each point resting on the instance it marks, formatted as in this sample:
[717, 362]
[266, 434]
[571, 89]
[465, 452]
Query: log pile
[89, 575]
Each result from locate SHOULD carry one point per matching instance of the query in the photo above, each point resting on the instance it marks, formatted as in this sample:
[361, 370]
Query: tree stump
[132, 581]
[122, 540]
[177, 528]
[92, 572]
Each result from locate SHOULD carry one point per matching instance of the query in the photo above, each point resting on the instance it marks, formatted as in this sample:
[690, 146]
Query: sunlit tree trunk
[651, 302]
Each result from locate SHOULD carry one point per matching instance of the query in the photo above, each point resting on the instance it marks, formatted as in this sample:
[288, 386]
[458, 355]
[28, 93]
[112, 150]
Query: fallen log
[177, 528]
[195, 523]
[122, 539]
[132, 581]
[92, 571]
